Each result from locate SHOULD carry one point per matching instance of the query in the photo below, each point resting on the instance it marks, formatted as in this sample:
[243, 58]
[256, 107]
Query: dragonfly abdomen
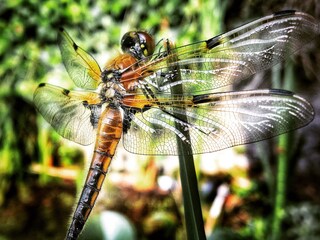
[108, 136]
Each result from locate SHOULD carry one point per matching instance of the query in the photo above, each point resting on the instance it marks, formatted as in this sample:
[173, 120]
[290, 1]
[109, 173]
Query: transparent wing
[215, 121]
[81, 66]
[233, 56]
[73, 114]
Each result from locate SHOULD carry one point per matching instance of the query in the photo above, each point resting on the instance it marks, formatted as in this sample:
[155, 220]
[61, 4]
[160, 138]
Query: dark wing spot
[75, 46]
[65, 92]
[128, 115]
[42, 85]
[205, 98]
[95, 113]
[213, 42]
[284, 13]
[85, 103]
[281, 92]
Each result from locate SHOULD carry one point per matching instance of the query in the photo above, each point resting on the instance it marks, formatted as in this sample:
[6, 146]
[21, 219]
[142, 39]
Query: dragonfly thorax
[110, 75]
[113, 89]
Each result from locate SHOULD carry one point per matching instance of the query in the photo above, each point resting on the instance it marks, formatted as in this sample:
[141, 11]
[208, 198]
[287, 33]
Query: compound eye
[146, 43]
[129, 41]
[138, 43]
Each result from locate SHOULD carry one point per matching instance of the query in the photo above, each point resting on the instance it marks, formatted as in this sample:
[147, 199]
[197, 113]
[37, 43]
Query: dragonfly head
[139, 44]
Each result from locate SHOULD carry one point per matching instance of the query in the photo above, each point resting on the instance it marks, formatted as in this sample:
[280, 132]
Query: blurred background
[41, 173]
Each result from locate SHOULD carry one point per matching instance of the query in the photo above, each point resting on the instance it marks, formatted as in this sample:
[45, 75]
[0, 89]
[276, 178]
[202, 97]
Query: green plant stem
[211, 16]
[191, 200]
[280, 197]
[285, 141]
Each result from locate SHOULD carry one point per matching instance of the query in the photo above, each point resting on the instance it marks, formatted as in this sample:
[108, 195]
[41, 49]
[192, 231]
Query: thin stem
[285, 141]
[192, 206]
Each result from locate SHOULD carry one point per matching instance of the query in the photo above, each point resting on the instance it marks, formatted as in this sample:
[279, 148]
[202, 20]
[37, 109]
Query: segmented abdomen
[108, 136]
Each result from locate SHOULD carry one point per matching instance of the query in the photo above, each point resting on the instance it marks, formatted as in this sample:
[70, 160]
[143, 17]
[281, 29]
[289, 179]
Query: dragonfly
[150, 98]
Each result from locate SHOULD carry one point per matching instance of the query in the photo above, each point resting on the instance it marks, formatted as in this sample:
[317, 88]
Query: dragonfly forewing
[231, 57]
[80, 65]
